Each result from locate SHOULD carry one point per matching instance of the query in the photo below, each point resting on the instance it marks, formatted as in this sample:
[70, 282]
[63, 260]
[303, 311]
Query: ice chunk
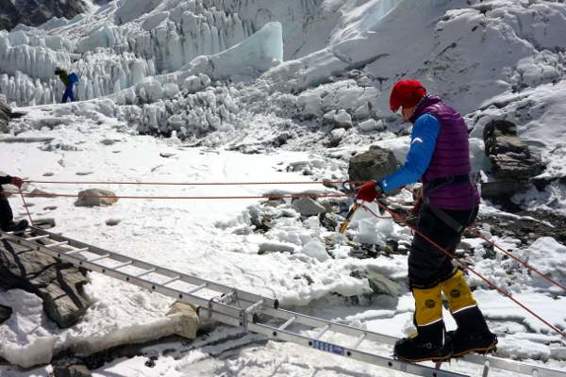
[248, 59]
[316, 249]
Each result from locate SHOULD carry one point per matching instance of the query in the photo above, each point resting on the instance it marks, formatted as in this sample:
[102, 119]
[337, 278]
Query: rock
[188, 320]
[96, 197]
[271, 247]
[113, 222]
[166, 154]
[48, 174]
[5, 313]
[41, 194]
[382, 285]
[373, 164]
[109, 141]
[59, 285]
[73, 370]
[35, 13]
[4, 116]
[308, 207]
[513, 165]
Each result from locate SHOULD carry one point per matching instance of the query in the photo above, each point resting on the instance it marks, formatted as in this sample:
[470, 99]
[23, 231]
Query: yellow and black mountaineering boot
[428, 344]
[472, 334]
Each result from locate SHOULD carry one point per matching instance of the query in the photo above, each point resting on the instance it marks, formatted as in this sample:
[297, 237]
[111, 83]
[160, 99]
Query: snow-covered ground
[281, 84]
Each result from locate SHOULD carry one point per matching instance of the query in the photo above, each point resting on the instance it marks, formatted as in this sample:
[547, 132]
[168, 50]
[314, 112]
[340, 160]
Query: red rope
[25, 205]
[467, 268]
[524, 263]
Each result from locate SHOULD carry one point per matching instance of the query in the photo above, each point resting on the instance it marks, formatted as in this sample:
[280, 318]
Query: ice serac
[248, 59]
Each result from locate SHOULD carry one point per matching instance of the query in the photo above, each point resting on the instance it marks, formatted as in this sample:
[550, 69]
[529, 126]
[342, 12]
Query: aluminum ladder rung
[55, 244]
[172, 280]
[117, 267]
[35, 238]
[287, 323]
[96, 259]
[322, 332]
[74, 251]
[151, 270]
[196, 289]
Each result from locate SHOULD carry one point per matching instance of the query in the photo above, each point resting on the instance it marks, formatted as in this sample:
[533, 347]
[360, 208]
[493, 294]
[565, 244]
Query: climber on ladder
[439, 157]
[69, 80]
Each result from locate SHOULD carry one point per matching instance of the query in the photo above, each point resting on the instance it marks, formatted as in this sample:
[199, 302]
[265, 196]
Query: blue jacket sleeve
[423, 143]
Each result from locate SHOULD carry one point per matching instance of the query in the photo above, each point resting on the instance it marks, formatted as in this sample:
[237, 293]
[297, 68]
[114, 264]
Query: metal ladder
[243, 309]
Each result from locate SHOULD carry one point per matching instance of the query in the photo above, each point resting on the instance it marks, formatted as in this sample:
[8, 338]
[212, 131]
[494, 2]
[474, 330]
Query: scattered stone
[329, 221]
[382, 285]
[109, 141]
[308, 207]
[373, 164]
[48, 174]
[59, 285]
[83, 172]
[50, 208]
[113, 222]
[42, 194]
[5, 313]
[95, 198]
[371, 125]
[271, 247]
[44, 223]
[73, 370]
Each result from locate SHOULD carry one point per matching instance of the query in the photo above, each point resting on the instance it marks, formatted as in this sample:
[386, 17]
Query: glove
[369, 191]
[17, 181]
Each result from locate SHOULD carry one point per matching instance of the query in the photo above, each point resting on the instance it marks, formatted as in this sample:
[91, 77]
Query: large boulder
[60, 285]
[373, 164]
[513, 164]
[96, 197]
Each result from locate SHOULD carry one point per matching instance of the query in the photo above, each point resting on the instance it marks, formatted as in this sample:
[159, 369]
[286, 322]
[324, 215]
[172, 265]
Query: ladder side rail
[242, 295]
[307, 320]
[382, 361]
[495, 362]
[514, 366]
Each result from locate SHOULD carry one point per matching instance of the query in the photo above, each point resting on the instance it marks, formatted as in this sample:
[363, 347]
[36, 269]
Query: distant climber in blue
[69, 80]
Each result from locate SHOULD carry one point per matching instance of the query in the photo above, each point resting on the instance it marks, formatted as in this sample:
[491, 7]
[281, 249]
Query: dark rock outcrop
[373, 164]
[59, 285]
[34, 12]
[513, 165]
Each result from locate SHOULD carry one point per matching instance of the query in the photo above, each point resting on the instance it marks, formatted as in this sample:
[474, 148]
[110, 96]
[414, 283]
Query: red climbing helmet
[406, 93]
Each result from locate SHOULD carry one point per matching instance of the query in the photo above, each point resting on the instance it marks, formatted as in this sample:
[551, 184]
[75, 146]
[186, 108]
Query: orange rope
[467, 268]
[265, 196]
[191, 183]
